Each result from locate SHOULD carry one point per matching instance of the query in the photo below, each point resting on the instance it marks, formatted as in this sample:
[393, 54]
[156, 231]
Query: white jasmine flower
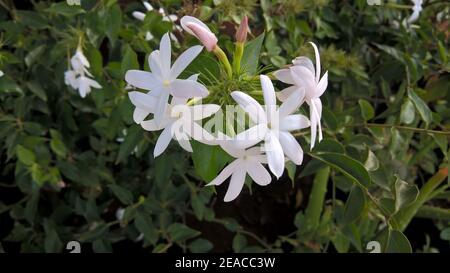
[78, 75]
[149, 36]
[162, 81]
[278, 141]
[179, 122]
[248, 161]
[305, 79]
[120, 213]
[1, 73]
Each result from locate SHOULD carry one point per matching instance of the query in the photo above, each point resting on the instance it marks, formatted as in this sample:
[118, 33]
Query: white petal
[291, 147]
[318, 106]
[236, 184]
[303, 78]
[284, 75]
[275, 155]
[250, 106]
[258, 173]
[193, 77]
[270, 100]
[285, 93]
[294, 122]
[184, 60]
[165, 54]
[151, 125]
[147, 5]
[314, 120]
[139, 15]
[142, 79]
[201, 135]
[189, 19]
[154, 63]
[163, 141]
[143, 101]
[249, 137]
[161, 106]
[316, 53]
[184, 143]
[187, 89]
[139, 115]
[291, 104]
[306, 62]
[225, 173]
[204, 110]
[322, 85]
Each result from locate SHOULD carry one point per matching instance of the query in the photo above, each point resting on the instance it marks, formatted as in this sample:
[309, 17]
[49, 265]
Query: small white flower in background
[278, 141]
[120, 213]
[417, 8]
[78, 75]
[248, 161]
[168, 18]
[162, 81]
[1, 73]
[305, 79]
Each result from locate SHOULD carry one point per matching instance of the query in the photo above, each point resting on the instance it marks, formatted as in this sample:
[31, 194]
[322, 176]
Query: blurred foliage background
[80, 169]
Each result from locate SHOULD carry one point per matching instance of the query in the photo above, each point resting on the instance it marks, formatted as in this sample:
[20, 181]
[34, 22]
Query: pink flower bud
[241, 33]
[197, 28]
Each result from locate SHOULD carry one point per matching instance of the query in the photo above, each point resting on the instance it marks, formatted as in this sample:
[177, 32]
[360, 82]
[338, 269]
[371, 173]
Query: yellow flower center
[166, 83]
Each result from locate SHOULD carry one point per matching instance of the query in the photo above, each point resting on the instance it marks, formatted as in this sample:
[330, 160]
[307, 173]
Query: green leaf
[397, 243]
[56, 144]
[63, 8]
[200, 246]
[421, 107]
[349, 167]
[129, 61]
[124, 195]
[239, 242]
[134, 136]
[329, 145]
[180, 232]
[407, 113]
[25, 156]
[291, 168]
[208, 160]
[405, 193]
[354, 205]
[316, 199]
[145, 225]
[372, 163]
[367, 110]
[52, 243]
[37, 89]
[250, 58]
[113, 22]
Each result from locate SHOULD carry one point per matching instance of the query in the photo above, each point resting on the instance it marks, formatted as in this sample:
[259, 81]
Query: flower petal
[203, 111]
[270, 100]
[291, 104]
[154, 63]
[258, 173]
[284, 94]
[291, 147]
[184, 143]
[143, 101]
[322, 85]
[236, 184]
[225, 173]
[165, 55]
[306, 62]
[184, 60]
[163, 141]
[139, 115]
[275, 155]
[294, 122]
[317, 55]
[284, 75]
[142, 79]
[185, 20]
[187, 89]
[249, 137]
[303, 78]
[250, 106]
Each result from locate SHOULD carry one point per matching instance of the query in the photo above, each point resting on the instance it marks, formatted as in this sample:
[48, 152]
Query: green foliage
[73, 163]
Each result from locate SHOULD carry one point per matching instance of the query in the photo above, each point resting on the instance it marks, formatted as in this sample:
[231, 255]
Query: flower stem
[238, 53]
[419, 130]
[224, 60]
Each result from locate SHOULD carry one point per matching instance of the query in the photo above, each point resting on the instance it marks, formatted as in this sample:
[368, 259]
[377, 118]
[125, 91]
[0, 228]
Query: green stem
[238, 53]
[316, 199]
[419, 130]
[224, 60]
